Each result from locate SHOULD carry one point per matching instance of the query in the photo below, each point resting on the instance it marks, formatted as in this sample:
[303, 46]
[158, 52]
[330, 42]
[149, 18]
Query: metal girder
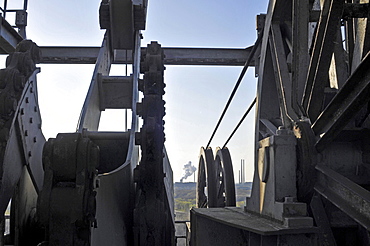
[173, 56]
[317, 76]
[361, 40]
[9, 38]
[121, 24]
[300, 56]
[322, 221]
[345, 194]
[282, 77]
[344, 106]
[90, 113]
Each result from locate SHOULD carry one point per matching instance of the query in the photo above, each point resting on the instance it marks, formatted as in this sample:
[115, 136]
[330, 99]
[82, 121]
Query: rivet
[31, 120]
[34, 139]
[26, 133]
[22, 111]
[27, 100]
[29, 153]
[35, 109]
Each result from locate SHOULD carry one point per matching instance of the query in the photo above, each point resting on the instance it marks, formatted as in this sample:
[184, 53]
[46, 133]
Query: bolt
[31, 120]
[27, 100]
[29, 153]
[35, 109]
[22, 111]
[34, 139]
[26, 133]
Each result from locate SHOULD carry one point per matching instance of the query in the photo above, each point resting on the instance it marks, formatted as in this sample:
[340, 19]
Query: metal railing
[5, 9]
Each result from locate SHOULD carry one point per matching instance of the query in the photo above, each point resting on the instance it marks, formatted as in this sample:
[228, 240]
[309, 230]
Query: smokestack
[243, 171]
[189, 170]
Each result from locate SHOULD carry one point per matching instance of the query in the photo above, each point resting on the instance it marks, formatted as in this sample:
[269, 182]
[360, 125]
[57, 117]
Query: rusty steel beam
[344, 106]
[349, 197]
[173, 56]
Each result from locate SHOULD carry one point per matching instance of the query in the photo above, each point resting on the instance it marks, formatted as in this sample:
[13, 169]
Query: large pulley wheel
[206, 195]
[225, 184]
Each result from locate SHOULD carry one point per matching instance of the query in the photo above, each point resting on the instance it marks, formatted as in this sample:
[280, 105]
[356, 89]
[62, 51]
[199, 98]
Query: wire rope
[241, 121]
[245, 68]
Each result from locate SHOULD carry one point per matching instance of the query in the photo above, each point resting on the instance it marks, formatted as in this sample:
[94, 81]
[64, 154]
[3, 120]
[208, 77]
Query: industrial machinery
[311, 175]
[88, 187]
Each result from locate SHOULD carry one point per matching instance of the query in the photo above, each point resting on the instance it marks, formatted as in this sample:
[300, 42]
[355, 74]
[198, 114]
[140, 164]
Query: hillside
[185, 197]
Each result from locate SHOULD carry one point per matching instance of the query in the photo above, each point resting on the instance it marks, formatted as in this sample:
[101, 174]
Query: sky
[195, 95]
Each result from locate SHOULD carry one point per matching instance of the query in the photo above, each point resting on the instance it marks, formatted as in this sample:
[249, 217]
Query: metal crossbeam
[173, 56]
[344, 106]
[345, 194]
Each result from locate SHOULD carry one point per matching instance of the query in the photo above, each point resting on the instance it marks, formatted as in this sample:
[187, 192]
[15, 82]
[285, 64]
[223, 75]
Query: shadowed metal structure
[311, 176]
[312, 151]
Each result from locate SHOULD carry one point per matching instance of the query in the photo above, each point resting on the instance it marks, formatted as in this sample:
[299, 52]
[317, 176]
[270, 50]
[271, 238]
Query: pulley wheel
[206, 195]
[225, 184]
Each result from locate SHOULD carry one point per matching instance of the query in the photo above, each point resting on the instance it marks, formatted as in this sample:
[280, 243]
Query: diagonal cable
[241, 121]
[245, 68]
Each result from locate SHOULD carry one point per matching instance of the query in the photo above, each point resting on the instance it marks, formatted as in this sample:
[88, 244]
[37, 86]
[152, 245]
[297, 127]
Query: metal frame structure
[311, 177]
[311, 172]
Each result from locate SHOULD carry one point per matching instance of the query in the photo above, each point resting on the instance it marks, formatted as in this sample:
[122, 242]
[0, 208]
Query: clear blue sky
[195, 95]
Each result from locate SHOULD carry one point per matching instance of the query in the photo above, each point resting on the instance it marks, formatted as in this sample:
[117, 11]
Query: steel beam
[90, 114]
[9, 38]
[321, 57]
[282, 77]
[345, 194]
[173, 56]
[344, 106]
[322, 221]
[300, 56]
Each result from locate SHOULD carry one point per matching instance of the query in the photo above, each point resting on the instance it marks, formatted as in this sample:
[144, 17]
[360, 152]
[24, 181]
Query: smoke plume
[189, 170]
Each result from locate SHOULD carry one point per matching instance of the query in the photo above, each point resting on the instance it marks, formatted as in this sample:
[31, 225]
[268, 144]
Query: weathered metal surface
[169, 188]
[206, 195]
[33, 140]
[9, 38]
[173, 56]
[326, 236]
[113, 148]
[152, 228]
[299, 50]
[17, 80]
[116, 198]
[225, 184]
[232, 226]
[66, 204]
[24, 228]
[324, 44]
[121, 24]
[345, 194]
[344, 106]
[90, 113]
[115, 92]
[114, 205]
[282, 77]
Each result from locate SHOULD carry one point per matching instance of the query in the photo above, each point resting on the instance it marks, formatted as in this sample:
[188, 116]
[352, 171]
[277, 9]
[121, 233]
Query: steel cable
[241, 121]
[245, 68]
